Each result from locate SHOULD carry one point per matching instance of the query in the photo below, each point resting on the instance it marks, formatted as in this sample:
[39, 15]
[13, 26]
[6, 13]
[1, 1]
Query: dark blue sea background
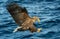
[47, 10]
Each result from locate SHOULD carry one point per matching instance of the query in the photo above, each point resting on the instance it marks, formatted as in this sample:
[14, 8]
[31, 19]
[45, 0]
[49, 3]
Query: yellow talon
[39, 29]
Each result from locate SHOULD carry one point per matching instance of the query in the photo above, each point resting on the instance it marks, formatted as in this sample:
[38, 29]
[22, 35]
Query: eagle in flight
[21, 17]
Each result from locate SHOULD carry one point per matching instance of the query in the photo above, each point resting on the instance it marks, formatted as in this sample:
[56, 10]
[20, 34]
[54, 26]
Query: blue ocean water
[47, 10]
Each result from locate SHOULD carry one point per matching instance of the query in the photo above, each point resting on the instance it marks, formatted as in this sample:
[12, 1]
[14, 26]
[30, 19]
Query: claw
[39, 29]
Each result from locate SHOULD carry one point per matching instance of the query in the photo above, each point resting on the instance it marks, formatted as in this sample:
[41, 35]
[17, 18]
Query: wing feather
[18, 13]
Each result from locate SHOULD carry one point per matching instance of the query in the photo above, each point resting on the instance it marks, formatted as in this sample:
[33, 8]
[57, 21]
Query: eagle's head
[35, 18]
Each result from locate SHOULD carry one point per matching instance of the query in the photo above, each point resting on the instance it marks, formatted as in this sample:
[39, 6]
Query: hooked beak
[17, 29]
[38, 20]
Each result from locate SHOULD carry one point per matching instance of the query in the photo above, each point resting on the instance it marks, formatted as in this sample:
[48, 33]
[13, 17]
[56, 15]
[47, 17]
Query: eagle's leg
[17, 29]
[33, 29]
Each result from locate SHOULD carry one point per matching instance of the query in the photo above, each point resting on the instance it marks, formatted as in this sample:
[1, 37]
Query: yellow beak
[38, 20]
[35, 17]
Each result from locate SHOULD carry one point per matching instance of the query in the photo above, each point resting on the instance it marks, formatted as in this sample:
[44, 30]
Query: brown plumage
[20, 15]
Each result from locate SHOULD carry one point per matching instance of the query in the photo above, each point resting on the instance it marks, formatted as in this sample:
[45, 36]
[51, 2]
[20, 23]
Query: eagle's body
[28, 24]
[20, 15]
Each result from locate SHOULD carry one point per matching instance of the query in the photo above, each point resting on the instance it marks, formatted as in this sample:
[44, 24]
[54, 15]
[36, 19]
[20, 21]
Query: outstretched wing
[18, 13]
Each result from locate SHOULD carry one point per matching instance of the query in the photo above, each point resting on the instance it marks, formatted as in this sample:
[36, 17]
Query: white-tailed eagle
[21, 17]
